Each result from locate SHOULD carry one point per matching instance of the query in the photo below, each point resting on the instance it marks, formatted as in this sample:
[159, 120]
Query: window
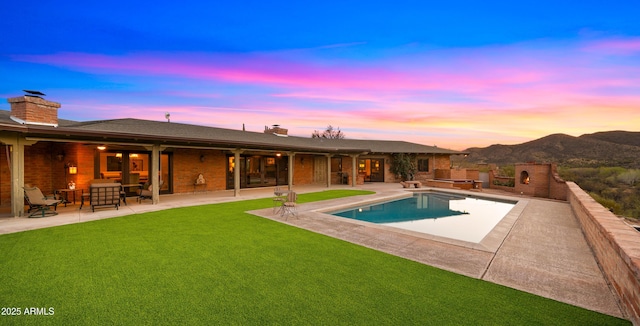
[423, 165]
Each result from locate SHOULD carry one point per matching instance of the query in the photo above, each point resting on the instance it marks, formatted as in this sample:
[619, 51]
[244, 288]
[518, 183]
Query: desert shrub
[608, 203]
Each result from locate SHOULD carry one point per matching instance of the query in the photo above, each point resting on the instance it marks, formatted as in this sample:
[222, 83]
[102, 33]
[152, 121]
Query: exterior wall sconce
[201, 157]
[72, 168]
[101, 147]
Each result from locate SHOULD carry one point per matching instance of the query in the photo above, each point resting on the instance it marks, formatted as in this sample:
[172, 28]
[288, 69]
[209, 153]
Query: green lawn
[216, 265]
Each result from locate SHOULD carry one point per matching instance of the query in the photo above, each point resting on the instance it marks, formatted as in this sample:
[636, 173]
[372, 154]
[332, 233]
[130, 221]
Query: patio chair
[104, 194]
[40, 203]
[278, 199]
[146, 192]
[289, 207]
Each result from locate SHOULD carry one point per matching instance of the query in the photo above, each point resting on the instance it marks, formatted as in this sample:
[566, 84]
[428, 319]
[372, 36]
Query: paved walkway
[538, 248]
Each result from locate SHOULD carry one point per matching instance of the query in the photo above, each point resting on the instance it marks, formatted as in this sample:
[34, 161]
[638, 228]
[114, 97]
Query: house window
[423, 165]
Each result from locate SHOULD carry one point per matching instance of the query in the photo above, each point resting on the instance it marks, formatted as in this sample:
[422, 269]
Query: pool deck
[538, 248]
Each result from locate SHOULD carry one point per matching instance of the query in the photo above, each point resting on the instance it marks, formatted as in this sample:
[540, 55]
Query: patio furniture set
[102, 193]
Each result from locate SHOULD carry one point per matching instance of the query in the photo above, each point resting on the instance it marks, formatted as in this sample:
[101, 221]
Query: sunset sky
[452, 74]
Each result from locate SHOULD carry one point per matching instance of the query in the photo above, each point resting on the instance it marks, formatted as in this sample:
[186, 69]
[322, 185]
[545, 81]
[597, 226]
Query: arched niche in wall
[524, 177]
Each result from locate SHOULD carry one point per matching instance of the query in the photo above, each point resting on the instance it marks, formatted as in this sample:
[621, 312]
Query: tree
[329, 133]
[403, 166]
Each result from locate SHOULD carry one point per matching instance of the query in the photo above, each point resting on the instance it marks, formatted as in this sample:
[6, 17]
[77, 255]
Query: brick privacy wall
[615, 245]
[34, 109]
[473, 174]
[539, 180]
[544, 181]
[557, 186]
[443, 174]
[187, 166]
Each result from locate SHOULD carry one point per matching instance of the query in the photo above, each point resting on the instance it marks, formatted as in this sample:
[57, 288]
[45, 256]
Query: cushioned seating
[104, 194]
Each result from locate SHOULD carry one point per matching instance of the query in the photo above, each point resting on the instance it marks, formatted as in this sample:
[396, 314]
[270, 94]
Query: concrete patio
[538, 248]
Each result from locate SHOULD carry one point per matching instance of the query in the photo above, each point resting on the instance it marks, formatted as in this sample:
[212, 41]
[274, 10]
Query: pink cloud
[497, 94]
[619, 46]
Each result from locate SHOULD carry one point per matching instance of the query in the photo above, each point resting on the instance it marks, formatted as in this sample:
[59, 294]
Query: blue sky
[455, 75]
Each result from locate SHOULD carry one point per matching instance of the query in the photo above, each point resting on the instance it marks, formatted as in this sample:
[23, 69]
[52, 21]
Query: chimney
[34, 110]
[276, 130]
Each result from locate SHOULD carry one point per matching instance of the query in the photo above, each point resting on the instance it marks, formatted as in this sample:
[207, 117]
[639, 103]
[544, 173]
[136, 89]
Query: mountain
[610, 148]
[617, 137]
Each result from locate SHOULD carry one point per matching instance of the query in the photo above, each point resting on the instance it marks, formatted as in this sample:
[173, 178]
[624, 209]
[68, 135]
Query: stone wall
[616, 246]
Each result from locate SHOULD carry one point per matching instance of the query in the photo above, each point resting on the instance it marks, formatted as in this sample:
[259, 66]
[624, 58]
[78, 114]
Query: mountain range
[608, 148]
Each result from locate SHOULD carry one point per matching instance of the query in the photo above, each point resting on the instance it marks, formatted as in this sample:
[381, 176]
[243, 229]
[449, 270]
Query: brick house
[43, 150]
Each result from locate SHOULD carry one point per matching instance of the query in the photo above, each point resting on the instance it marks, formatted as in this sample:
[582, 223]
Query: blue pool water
[446, 215]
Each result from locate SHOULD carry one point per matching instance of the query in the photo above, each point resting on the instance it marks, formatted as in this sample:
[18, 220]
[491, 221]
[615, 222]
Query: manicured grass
[216, 265]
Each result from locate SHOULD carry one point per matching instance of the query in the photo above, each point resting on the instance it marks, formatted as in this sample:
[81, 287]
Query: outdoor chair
[147, 191]
[279, 198]
[86, 195]
[40, 203]
[104, 194]
[289, 207]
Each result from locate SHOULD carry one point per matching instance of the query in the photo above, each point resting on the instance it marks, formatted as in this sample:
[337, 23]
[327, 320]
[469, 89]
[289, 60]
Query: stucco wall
[616, 246]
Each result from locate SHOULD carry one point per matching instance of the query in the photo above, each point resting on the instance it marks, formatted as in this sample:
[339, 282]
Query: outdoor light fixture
[71, 169]
[201, 157]
[101, 147]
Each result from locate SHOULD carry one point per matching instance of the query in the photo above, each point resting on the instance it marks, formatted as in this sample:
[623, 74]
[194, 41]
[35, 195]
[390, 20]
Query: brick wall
[615, 245]
[41, 169]
[44, 170]
[34, 109]
[187, 166]
[473, 174]
[5, 182]
[303, 169]
[543, 181]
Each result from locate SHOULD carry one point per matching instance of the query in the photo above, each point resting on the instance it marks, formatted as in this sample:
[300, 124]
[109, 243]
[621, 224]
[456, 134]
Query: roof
[179, 134]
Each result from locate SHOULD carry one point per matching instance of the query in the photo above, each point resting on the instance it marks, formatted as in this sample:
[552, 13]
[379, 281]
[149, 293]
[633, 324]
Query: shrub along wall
[616, 246]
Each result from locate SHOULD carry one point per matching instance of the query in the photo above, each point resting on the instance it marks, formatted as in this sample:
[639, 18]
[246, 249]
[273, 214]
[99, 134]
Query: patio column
[291, 156]
[354, 169]
[328, 170]
[155, 173]
[236, 172]
[17, 171]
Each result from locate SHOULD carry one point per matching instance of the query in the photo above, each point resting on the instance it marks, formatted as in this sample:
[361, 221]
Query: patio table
[65, 194]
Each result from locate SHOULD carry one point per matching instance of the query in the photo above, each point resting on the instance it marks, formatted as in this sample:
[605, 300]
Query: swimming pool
[441, 214]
